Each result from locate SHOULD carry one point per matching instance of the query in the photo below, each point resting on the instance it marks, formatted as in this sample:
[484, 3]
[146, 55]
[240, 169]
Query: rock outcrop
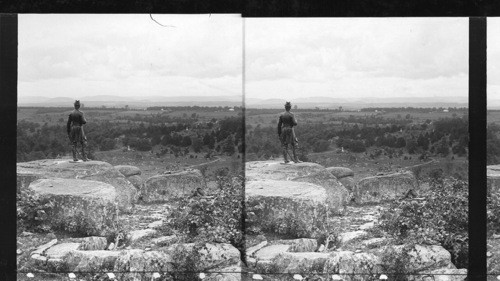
[382, 188]
[79, 206]
[28, 172]
[337, 194]
[287, 207]
[273, 170]
[292, 199]
[171, 186]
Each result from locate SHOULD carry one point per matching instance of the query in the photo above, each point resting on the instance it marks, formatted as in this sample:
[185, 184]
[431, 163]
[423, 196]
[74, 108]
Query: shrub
[493, 212]
[213, 218]
[31, 212]
[441, 218]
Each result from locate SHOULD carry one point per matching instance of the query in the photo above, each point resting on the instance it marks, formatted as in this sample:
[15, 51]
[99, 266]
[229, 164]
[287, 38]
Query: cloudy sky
[130, 55]
[356, 58]
[493, 59]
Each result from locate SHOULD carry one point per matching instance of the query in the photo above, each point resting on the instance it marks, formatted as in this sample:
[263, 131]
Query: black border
[477, 148]
[8, 123]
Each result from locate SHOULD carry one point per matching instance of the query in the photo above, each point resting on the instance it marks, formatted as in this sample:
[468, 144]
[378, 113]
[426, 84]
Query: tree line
[443, 137]
[179, 137]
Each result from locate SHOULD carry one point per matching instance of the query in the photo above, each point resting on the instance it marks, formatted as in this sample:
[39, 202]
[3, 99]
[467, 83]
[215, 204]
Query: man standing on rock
[74, 127]
[286, 133]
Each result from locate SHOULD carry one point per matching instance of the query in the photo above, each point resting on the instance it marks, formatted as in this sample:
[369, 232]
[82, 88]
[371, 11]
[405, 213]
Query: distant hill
[327, 102]
[142, 102]
[309, 102]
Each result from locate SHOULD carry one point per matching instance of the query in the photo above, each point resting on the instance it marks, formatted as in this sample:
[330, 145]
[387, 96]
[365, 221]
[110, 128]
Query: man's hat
[288, 104]
[77, 103]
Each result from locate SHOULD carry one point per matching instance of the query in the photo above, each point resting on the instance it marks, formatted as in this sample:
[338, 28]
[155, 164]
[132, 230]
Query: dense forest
[374, 136]
[178, 135]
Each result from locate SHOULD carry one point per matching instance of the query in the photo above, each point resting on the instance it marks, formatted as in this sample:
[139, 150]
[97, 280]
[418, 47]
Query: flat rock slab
[349, 237]
[128, 170]
[304, 263]
[164, 240]
[60, 250]
[382, 188]
[171, 186]
[40, 250]
[375, 242]
[340, 172]
[90, 170]
[274, 170]
[444, 274]
[137, 235]
[270, 252]
[79, 206]
[287, 207]
[90, 261]
[251, 250]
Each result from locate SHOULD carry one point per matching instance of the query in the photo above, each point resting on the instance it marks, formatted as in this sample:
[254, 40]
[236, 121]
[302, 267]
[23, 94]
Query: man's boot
[295, 158]
[74, 153]
[84, 156]
[285, 155]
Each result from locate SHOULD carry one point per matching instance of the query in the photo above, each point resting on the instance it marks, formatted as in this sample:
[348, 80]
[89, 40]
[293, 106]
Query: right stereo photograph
[356, 164]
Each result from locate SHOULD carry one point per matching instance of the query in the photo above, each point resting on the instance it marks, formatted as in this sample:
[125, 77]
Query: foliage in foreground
[441, 217]
[212, 218]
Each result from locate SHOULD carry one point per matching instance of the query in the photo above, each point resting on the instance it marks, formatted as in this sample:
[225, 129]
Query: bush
[213, 218]
[31, 212]
[442, 218]
[493, 213]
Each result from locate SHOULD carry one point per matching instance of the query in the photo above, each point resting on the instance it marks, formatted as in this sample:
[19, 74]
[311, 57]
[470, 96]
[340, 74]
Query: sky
[356, 58]
[130, 55]
[493, 59]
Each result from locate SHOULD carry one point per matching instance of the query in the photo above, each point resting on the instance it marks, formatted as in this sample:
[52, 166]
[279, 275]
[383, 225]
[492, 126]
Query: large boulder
[128, 170]
[346, 262]
[337, 194]
[90, 261]
[78, 206]
[340, 172]
[140, 261]
[263, 258]
[217, 255]
[387, 187]
[287, 207]
[171, 186]
[304, 262]
[418, 258]
[274, 170]
[90, 170]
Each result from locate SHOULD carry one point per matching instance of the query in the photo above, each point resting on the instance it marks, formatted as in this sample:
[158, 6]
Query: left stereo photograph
[130, 147]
